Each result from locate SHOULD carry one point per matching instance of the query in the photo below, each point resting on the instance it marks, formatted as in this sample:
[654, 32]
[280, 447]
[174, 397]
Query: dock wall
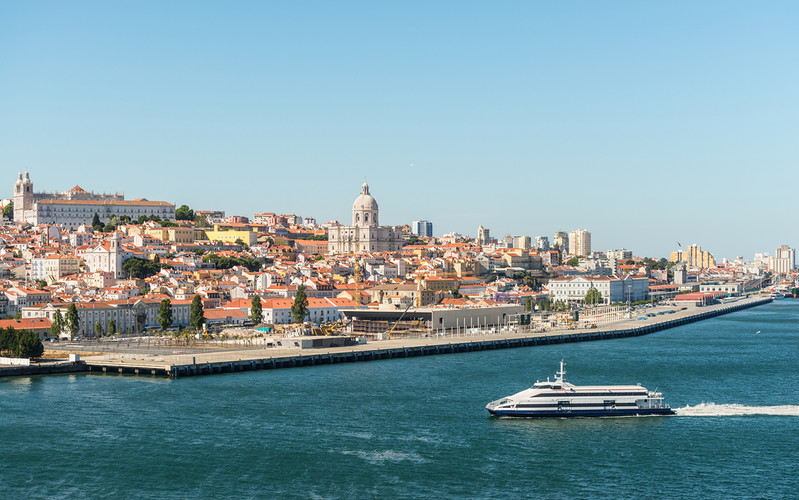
[443, 347]
[433, 346]
[43, 369]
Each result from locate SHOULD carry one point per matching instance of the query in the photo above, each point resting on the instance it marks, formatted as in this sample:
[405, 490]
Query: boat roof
[560, 384]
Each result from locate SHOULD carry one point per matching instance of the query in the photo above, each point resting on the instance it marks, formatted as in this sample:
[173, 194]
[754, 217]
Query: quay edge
[439, 346]
[434, 346]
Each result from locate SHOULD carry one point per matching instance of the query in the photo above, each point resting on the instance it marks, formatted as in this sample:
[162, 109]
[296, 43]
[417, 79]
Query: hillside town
[115, 261]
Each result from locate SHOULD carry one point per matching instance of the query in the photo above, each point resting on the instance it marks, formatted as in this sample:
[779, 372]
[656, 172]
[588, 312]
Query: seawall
[237, 361]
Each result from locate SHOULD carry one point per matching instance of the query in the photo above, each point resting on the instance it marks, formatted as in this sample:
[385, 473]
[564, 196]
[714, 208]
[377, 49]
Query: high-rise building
[522, 242]
[561, 240]
[542, 243]
[422, 228]
[580, 242]
[783, 261]
[620, 254]
[693, 256]
[483, 235]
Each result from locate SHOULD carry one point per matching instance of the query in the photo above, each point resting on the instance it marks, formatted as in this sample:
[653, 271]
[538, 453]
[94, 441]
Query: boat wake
[730, 410]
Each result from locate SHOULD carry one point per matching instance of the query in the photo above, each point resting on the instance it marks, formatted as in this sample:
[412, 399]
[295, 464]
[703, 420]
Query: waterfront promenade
[228, 360]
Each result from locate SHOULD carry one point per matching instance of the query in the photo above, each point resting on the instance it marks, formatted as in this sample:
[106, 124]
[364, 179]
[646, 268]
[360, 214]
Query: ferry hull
[582, 413]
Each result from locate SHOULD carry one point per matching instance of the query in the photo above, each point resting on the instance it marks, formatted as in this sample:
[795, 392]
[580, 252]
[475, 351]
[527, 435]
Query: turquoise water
[418, 428]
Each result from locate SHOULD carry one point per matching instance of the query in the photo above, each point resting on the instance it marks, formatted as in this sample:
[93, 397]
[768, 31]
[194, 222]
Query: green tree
[8, 211]
[184, 213]
[96, 224]
[228, 262]
[593, 296]
[72, 320]
[98, 329]
[112, 327]
[300, 307]
[256, 310]
[58, 324]
[573, 261]
[201, 221]
[455, 293]
[165, 314]
[29, 345]
[8, 339]
[196, 314]
[528, 304]
[142, 268]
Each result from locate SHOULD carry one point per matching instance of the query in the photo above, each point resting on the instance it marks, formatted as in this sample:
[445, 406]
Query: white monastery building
[77, 207]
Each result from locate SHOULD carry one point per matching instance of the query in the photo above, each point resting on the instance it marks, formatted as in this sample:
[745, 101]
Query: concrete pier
[270, 359]
[48, 368]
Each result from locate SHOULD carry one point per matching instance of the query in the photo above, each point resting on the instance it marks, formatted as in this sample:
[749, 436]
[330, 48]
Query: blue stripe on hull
[583, 413]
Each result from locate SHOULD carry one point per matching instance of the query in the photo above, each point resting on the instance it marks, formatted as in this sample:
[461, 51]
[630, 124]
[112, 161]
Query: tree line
[117, 220]
[20, 343]
[222, 262]
[143, 268]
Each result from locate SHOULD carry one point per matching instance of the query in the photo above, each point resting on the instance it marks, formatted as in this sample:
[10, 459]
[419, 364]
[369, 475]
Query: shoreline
[236, 360]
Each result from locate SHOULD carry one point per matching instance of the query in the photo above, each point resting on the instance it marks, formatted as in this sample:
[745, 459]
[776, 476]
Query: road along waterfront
[179, 365]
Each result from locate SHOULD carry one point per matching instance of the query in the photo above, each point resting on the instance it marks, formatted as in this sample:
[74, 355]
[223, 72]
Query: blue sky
[646, 123]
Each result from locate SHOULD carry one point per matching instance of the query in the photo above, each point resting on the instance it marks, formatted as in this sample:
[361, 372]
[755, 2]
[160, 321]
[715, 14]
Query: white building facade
[77, 207]
[107, 256]
[131, 315]
[613, 288]
[52, 267]
[365, 234]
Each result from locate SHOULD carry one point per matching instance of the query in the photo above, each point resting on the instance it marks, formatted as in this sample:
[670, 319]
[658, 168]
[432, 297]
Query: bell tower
[23, 197]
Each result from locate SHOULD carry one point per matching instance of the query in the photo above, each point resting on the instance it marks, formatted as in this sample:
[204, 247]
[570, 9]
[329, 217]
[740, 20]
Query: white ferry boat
[559, 398]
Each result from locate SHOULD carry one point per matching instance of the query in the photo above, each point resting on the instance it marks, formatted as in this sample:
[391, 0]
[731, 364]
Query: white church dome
[364, 201]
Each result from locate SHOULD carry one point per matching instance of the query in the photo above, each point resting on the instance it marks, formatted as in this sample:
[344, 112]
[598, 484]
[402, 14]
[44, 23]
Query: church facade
[76, 207]
[365, 234]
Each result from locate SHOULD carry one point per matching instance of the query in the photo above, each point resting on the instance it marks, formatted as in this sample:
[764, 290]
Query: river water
[409, 428]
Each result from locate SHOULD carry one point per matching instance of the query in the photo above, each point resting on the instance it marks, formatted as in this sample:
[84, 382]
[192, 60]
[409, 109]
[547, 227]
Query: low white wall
[15, 361]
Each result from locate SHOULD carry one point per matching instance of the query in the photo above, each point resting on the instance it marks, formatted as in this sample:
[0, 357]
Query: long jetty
[250, 360]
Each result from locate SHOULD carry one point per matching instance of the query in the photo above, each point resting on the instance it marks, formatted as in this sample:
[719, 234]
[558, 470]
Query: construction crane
[357, 294]
[399, 319]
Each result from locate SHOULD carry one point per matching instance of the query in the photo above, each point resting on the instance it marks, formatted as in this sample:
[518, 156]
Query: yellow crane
[357, 294]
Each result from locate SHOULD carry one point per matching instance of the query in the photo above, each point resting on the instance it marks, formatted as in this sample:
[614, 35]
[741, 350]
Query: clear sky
[646, 123]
